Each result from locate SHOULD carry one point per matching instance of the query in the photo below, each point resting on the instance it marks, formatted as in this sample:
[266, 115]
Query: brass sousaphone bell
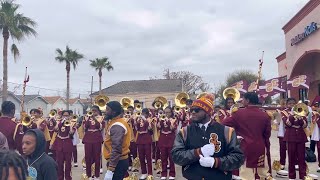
[300, 109]
[126, 102]
[231, 92]
[160, 102]
[101, 101]
[52, 114]
[181, 101]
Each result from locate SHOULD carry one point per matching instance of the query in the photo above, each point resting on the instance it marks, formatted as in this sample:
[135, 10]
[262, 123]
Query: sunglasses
[196, 110]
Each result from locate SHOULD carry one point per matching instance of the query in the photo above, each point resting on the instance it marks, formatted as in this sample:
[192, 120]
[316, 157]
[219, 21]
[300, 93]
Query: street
[77, 171]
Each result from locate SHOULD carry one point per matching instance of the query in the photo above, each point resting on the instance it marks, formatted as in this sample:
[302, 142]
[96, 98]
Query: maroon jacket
[63, 141]
[167, 133]
[92, 131]
[294, 129]
[51, 125]
[254, 125]
[19, 133]
[7, 128]
[143, 132]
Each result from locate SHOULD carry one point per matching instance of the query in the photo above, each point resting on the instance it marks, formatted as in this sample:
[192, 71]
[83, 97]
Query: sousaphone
[181, 101]
[101, 101]
[126, 102]
[231, 93]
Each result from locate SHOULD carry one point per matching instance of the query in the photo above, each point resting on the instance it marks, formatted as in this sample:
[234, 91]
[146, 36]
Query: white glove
[206, 161]
[108, 175]
[207, 150]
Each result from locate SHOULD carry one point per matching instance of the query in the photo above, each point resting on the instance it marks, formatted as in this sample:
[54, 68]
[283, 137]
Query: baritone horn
[300, 109]
[101, 101]
[26, 120]
[126, 102]
[231, 92]
[160, 102]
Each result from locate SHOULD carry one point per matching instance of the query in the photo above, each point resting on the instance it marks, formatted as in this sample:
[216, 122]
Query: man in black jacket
[206, 149]
[40, 165]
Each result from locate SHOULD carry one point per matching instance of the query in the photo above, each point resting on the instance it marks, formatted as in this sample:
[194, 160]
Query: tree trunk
[5, 64]
[100, 79]
[68, 84]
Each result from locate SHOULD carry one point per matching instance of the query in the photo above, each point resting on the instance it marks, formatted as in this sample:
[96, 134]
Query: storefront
[302, 56]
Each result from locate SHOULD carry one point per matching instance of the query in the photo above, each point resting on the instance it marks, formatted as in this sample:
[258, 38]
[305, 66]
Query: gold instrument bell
[160, 102]
[101, 101]
[52, 114]
[231, 92]
[74, 118]
[26, 120]
[300, 109]
[126, 102]
[181, 101]
[138, 106]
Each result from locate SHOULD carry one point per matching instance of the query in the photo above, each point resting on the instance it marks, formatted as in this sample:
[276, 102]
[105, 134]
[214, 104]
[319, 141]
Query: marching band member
[52, 123]
[75, 150]
[133, 146]
[63, 146]
[295, 137]
[155, 151]
[41, 124]
[92, 140]
[254, 126]
[117, 142]
[167, 127]
[282, 144]
[8, 126]
[144, 141]
[221, 114]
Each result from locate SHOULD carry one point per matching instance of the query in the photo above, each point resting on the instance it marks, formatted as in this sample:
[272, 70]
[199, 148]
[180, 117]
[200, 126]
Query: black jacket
[45, 166]
[186, 151]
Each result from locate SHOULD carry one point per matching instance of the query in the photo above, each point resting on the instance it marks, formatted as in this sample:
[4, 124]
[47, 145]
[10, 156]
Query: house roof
[52, 99]
[28, 98]
[12, 94]
[74, 100]
[144, 86]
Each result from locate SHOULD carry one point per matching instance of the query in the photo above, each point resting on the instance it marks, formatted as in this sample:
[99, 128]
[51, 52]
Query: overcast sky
[141, 38]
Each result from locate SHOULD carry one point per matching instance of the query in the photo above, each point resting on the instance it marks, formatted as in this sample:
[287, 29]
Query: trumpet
[74, 118]
[138, 113]
[67, 123]
[52, 114]
[177, 109]
[162, 117]
[300, 110]
[89, 113]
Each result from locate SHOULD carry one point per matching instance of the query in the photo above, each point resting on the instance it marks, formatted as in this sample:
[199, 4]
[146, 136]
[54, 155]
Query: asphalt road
[77, 171]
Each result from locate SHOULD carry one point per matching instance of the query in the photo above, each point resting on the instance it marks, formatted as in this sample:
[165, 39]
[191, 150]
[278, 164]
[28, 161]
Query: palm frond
[15, 51]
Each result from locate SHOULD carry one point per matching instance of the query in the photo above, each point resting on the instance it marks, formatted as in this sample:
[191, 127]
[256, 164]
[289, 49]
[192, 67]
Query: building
[144, 90]
[16, 101]
[76, 106]
[34, 102]
[55, 102]
[302, 55]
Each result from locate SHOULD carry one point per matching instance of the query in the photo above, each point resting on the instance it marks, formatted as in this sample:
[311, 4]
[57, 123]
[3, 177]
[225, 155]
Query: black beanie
[115, 106]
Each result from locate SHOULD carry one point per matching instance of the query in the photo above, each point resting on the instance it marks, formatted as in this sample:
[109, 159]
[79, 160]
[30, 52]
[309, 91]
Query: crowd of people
[208, 141]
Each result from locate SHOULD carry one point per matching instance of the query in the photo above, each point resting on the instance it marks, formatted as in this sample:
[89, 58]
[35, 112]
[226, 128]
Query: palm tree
[99, 64]
[69, 57]
[17, 26]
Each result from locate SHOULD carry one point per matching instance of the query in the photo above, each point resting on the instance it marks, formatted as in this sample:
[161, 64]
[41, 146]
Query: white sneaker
[75, 165]
[96, 178]
[163, 178]
[282, 167]
[143, 176]
[171, 178]
[234, 177]
[296, 167]
[313, 176]
[101, 170]
[153, 160]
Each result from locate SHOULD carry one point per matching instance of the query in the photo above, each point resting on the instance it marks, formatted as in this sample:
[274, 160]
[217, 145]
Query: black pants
[121, 169]
[313, 145]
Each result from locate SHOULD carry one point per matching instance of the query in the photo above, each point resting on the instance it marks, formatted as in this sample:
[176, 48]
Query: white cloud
[145, 19]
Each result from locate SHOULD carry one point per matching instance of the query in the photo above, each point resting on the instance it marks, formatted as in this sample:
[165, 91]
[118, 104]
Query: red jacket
[7, 128]
[167, 133]
[254, 125]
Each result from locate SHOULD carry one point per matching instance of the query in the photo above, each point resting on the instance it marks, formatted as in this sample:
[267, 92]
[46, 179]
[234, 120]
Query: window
[303, 94]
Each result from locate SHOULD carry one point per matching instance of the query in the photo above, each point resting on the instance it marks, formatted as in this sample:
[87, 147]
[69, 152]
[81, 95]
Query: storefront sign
[307, 31]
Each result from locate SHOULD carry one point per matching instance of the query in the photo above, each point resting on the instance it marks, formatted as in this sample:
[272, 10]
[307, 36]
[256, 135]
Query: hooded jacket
[45, 166]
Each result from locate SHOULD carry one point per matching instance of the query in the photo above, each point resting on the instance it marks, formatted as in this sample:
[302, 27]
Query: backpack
[310, 156]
